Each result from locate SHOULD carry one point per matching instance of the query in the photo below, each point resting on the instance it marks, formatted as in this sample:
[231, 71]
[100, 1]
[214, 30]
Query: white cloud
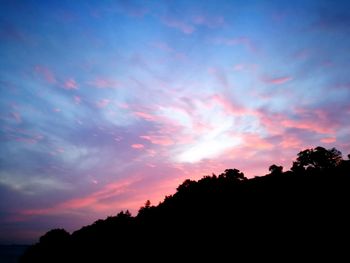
[32, 185]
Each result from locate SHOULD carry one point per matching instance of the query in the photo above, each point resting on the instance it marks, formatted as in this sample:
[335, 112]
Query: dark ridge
[301, 214]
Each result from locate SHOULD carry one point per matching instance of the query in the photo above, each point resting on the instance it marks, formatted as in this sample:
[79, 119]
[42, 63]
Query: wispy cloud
[46, 73]
[158, 139]
[132, 8]
[209, 21]
[77, 100]
[278, 80]
[104, 83]
[103, 103]
[91, 201]
[70, 84]
[163, 46]
[137, 146]
[16, 116]
[31, 186]
[329, 140]
[178, 24]
[146, 116]
[238, 67]
[246, 42]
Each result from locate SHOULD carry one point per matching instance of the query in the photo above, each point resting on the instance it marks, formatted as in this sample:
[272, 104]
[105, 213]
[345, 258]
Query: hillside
[287, 212]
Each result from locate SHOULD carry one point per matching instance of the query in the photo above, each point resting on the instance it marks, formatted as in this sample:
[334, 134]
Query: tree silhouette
[55, 237]
[233, 174]
[148, 204]
[185, 185]
[275, 169]
[123, 214]
[145, 209]
[318, 158]
[219, 215]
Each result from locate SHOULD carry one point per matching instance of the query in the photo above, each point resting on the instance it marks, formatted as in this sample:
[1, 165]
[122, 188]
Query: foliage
[318, 158]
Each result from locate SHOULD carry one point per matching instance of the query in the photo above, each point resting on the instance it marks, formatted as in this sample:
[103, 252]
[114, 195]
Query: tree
[148, 204]
[55, 237]
[275, 169]
[123, 214]
[318, 158]
[144, 209]
[233, 174]
[185, 185]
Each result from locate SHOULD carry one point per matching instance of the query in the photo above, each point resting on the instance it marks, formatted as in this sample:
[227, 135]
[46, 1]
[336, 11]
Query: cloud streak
[278, 81]
[178, 24]
[70, 84]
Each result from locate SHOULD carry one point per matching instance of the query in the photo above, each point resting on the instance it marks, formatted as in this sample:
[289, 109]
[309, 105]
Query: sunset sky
[105, 104]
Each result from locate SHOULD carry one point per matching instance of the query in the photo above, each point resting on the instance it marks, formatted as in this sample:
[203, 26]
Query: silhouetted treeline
[304, 211]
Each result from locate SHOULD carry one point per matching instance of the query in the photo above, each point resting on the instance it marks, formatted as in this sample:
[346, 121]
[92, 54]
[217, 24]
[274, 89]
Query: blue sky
[105, 104]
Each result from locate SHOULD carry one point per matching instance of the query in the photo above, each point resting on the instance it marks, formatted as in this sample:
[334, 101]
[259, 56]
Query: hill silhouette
[295, 213]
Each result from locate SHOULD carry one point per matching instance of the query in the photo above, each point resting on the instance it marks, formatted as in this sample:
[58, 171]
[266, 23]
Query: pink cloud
[151, 153]
[221, 77]
[16, 116]
[181, 56]
[92, 201]
[144, 115]
[329, 140]
[118, 138]
[254, 141]
[57, 110]
[211, 22]
[137, 146]
[310, 120]
[229, 106]
[124, 106]
[342, 86]
[158, 139]
[109, 198]
[26, 140]
[278, 81]
[60, 150]
[178, 24]
[244, 41]
[291, 142]
[77, 100]
[238, 67]
[311, 125]
[45, 73]
[302, 54]
[327, 63]
[21, 135]
[103, 83]
[10, 32]
[163, 46]
[66, 16]
[70, 84]
[103, 103]
[278, 16]
[131, 9]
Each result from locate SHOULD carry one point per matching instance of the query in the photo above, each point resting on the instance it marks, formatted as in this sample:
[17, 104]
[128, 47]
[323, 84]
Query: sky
[106, 104]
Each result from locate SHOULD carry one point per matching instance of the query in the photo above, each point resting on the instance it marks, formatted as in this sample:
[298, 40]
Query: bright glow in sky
[105, 104]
